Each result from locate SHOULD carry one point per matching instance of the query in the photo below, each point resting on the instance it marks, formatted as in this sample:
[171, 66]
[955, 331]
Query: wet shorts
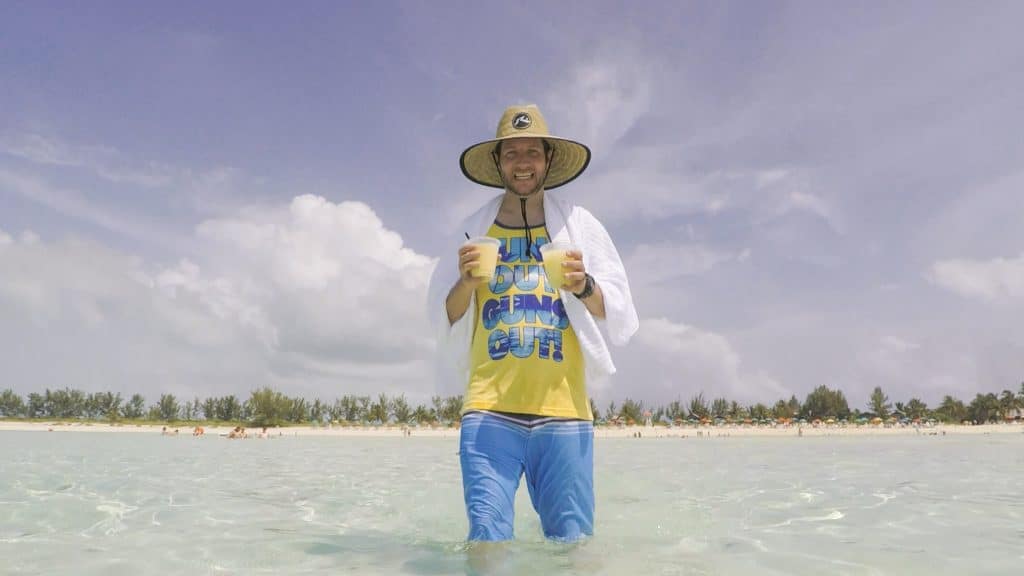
[557, 458]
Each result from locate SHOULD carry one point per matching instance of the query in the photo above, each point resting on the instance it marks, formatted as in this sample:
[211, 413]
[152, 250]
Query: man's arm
[461, 293]
[458, 301]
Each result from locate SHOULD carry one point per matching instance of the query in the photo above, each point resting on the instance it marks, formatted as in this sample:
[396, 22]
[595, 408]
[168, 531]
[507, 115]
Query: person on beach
[523, 349]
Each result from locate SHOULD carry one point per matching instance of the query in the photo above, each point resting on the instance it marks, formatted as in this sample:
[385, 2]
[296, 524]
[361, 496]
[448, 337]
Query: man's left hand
[575, 273]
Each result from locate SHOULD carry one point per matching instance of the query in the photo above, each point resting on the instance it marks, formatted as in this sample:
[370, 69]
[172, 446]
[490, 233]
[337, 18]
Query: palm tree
[380, 410]
[36, 405]
[136, 407]
[916, 409]
[363, 408]
[11, 404]
[400, 408]
[1007, 404]
[228, 409]
[209, 408]
[632, 411]
[186, 411]
[720, 408]
[110, 405]
[675, 411]
[794, 405]
[268, 408]
[612, 412]
[299, 410]
[952, 410]
[422, 415]
[316, 411]
[782, 410]
[452, 408]
[167, 408]
[737, 412]
[699, 407]
[983, 408]
[659, 415]
[66, 403]
[437, 403]
[879, 403]
[759, 412]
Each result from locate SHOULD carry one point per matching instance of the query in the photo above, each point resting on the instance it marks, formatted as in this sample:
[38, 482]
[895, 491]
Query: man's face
[523, 165]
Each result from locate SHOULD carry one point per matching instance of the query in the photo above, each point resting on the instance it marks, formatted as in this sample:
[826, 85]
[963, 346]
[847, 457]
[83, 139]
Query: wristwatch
[588, 288]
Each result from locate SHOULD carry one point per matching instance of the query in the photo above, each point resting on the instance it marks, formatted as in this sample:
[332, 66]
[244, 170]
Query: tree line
[267, 407]
[824, 404]
[264, 407]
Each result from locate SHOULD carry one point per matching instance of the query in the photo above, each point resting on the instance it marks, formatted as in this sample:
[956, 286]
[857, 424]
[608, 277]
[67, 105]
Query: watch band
[588, 288]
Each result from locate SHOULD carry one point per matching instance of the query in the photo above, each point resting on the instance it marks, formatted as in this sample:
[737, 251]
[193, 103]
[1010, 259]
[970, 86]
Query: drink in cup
[553, 254]
[488, 249]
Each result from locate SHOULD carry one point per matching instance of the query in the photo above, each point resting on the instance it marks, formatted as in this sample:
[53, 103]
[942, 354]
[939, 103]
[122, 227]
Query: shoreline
[636, 432]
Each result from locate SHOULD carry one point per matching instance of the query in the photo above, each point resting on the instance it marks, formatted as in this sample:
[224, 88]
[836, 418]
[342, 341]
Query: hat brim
[570, 160]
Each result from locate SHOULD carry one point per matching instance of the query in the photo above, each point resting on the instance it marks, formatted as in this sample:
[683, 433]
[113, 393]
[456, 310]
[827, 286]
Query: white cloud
[107, 163]
[767, 178]
[70, 202]
[985, 279]
[787, 189]
[314, 298]
[652, 263]
[669, 361]
[220, 297]
[979, 220]
[897, 344]
[638, 186]
[330, 277]
[601, 100]
[808, 202]
[105, 188]
[671, 168]
[41, 150]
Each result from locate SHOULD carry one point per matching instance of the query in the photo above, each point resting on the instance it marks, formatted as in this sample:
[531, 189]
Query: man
[524, 350]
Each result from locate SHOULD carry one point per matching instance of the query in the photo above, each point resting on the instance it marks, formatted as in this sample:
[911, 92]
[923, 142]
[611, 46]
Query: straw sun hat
[570, 159]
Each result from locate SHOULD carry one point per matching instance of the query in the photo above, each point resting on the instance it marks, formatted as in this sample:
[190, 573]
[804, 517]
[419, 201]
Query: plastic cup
[487, 247]
[553, 254]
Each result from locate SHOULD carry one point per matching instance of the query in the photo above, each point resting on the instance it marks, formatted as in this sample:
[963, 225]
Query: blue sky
[203, 199]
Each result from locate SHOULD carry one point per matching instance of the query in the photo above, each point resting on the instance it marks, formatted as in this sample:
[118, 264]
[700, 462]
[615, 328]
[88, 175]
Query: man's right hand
[469, 260]
[462, 292]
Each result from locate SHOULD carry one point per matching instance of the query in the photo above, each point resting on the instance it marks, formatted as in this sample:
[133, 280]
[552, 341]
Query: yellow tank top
[525, 355]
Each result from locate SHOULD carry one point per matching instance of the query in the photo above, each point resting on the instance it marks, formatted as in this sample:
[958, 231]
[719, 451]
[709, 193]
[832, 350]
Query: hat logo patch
[521, 121]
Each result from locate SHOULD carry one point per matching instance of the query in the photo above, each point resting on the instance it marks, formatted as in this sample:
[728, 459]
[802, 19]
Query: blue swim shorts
[557, 458]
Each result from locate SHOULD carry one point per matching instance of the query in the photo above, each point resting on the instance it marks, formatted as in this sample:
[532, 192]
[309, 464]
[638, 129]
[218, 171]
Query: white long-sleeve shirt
[564, 222]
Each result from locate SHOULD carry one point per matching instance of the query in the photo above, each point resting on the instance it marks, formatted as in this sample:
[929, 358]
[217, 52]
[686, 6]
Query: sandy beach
[636, 432]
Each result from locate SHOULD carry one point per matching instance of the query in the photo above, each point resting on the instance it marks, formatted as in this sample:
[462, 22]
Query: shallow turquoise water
[138, 504]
